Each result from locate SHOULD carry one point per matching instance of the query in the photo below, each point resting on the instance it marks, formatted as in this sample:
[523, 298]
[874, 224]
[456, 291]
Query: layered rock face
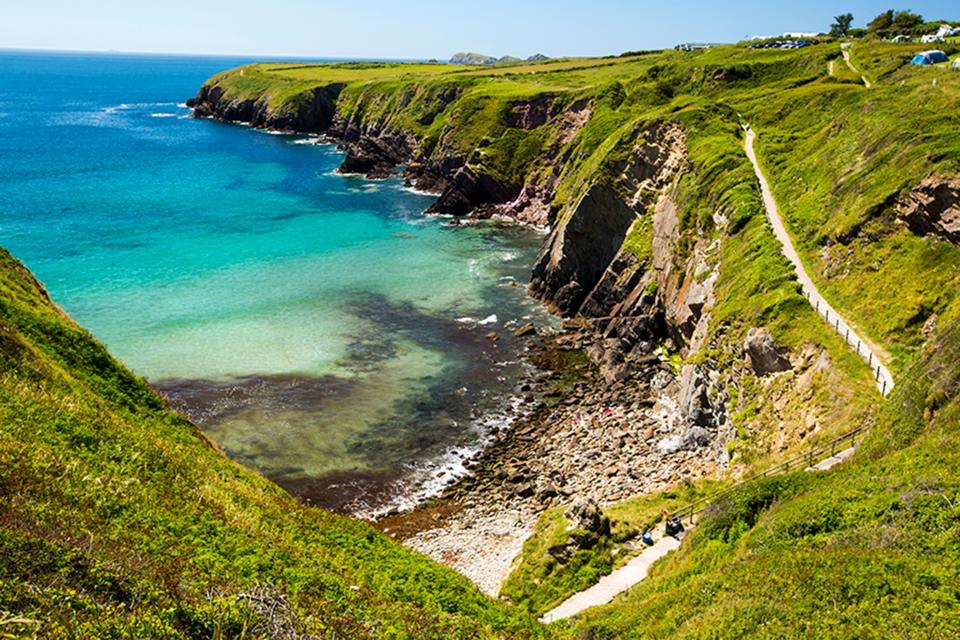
[629, 301]
[933, 207]
[375, 146]
[580, 249]
[313, 114]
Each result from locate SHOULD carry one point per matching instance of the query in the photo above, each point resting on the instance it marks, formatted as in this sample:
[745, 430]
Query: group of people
[673, 526]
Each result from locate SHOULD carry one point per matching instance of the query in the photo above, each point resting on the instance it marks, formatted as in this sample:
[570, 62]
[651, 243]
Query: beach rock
[764, 355]
[524, 490]
[528, 329]
[696, 437]
[670, 445]
[584, 514]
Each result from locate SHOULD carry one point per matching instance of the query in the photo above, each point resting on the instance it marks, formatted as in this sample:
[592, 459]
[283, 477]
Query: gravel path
[864, 349]
[614, 583]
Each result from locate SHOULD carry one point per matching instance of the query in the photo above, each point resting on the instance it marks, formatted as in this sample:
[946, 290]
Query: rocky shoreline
[583, 440]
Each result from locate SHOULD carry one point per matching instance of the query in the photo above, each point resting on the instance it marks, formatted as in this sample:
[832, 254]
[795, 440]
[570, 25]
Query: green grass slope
[868, 550]
[838, 154]
[119, 520]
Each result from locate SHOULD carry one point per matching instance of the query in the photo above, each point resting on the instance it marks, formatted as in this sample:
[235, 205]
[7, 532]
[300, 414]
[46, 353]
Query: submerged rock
[528, 329]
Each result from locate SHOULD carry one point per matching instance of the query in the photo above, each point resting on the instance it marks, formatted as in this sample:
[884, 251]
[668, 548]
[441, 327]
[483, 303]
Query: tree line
[887, 24]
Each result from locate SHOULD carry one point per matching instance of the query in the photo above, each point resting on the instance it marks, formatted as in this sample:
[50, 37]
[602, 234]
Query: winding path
[846, 56]
[636, 569]
[866, 351]
[617, 582]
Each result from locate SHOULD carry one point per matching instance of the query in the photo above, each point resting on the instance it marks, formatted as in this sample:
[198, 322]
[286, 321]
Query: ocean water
[318, 327]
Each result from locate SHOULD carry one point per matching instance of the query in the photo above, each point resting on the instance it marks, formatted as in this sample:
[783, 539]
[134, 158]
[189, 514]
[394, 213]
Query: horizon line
[120, 52]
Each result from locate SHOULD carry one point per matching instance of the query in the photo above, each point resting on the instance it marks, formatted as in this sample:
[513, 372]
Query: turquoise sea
[318, 327]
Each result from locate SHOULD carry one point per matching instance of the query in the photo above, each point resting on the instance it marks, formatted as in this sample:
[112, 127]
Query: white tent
[947, 31]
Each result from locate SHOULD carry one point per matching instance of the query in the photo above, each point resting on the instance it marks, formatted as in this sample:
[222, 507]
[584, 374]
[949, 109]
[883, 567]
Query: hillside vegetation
[118, 519]
[869, 550]
[839, 154]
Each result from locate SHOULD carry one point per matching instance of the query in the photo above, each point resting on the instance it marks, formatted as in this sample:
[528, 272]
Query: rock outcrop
[933, 207]
[472, 58]
[580, 248]
[764, 355]
[314, 114]
[585, 240]
[485, 60]
[375, 146]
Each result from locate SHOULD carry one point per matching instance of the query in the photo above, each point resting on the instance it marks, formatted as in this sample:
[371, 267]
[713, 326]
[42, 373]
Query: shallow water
[317, 326]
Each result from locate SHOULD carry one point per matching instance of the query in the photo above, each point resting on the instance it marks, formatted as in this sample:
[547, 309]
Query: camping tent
[956, 65]
[948, 31]
[930, 57]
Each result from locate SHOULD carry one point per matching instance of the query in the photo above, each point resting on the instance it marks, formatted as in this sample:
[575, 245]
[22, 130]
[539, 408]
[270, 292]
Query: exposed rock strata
[314, 114]
[376, 149]
[933, 207]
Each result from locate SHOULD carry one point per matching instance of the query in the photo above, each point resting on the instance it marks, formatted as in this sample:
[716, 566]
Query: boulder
[694, 399]
[933, 207]
[528, 329]
[585, 515]
[696, 437]
[764, 355]
[670, 445]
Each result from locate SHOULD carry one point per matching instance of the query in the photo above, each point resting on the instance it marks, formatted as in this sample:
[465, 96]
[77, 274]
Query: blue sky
[414, 28]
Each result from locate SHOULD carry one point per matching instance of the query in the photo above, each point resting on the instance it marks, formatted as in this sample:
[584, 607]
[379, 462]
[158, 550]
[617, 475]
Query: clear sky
[415, 28]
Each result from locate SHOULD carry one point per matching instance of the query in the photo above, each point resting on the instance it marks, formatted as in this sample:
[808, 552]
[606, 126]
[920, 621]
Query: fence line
[805, 460]
[875, 367]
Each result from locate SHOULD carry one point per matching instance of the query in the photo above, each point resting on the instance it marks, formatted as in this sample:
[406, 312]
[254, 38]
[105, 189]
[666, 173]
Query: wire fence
[805, 461]
[880, 375]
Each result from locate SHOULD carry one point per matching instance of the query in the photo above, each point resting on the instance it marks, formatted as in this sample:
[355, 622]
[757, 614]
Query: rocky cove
[655, 280]
[608, 412]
